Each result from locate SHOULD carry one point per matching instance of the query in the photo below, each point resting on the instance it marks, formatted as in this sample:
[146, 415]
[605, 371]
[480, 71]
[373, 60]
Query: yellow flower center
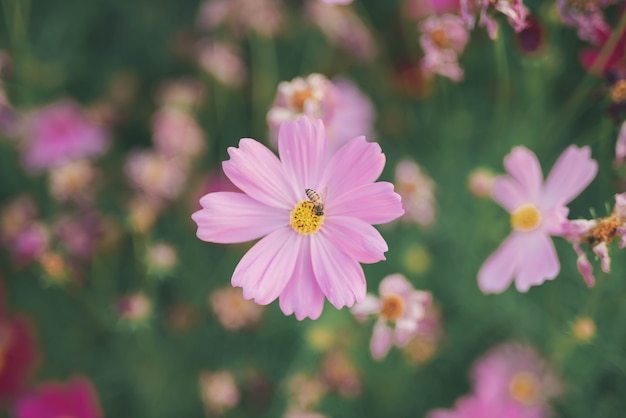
[303, 218]
[524, 387]
[440, 38]
[618, 92]
[526, 218]
[393, 308]
[300, 97]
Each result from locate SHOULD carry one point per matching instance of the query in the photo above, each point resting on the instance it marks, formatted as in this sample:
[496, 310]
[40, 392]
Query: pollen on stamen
[525, 388]
[526, 218]
[303, 218]
[393, 308]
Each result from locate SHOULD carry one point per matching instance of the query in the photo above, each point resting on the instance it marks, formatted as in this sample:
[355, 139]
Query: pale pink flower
[343, 28]
[620, 145]
[241, 16]
[184, 93]
[587, 16]
[307, 252]
[417, 190]
[443, 40]
[75, 398]
[155, 174]
[232, 310]
[336, 1]
[343, 108]
[340, 374]
[218, 391]
[30, 242]
[58, 133]
[135, 307]
[223, 62]
[80, 234]
[516, 373]
[538, 211]
[514, 10]
[305, 392]
[417, 9]
[480, 182]
[176, 133]
[473, 406]
[399, 304]
[71, 180]
[161, 258]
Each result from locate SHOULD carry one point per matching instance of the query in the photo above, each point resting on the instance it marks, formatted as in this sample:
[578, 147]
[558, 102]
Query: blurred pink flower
[443, 40]
[232, 310]
[516, 373]
[473, 406]
[18, 355]
[336, 1]
[57, 133]
[76, 399]
[417, 9]
[72, 180]
[218, 391]
[135, 307]
[417, 190]
[21, 232]
[399, 304]
[514, 10]
[586, 16]
[30, 242]
[310, 248]
[343, 108]
[80, 234]
[241, 16]
[343, 28]
[615, 57]
[155, 174]
[480, 182]
[176, 133]
[340, 373]
[184, 93]
[223, 62]
[537, 211]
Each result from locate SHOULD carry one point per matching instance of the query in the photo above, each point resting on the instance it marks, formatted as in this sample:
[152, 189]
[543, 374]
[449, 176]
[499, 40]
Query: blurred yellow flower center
[303, 218]
[299, 99]
[526, 218]
[393, 307]
[439, 38]
[524, 387]
[618, 92]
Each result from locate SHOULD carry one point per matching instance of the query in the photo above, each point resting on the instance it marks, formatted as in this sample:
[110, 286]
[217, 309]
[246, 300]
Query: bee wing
[323, 193]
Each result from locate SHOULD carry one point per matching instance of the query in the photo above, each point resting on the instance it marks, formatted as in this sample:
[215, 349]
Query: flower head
[232, 310]
[514, 10]
[58, 133]
[418, 192]
[538, 211]
[223, 62]
[241, 16]
[343, 108]
[311, 244]
[156, 175]
[76, 399]
[399, 305]
[586, 16]
[443, 40]
[218, 391]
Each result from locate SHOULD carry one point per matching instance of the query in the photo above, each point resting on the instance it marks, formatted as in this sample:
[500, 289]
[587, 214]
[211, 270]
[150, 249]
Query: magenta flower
[343, 108]
[587, 17]
[443, 40]
[58, 133]
[312, 243]
[76, 399]
[514, 10]
[18, 355]
[475, 407]
[537, 211]
[399, 304]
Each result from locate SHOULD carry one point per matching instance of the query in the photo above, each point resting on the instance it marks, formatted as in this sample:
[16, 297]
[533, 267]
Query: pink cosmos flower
[176, 133]
[57, 133]
[232, 310]
[586, 16]
[473, 406]
[223, 62]
[76, 399]
[515, 373]
[218, 391]
[18, 355]
[312, 243]
[343, 108]
[399, 304]
[417, 9]
[443, 40]
[537, 211]
[514, 10]
[241, 16]
[155, 174]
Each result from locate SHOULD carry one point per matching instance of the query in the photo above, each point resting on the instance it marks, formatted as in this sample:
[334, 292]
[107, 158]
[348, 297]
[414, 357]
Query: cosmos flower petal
[382, 338]
[357, 163]
[228, 217]
[405, 330]
[496, 273]
[255, 170]
[538, 261]
[356, 238]
[265, 269]
[571, 174]
[374, 203]
[508, 193]
[302, 295]
[303, 150]
[523, 166]
[395, 284]
[369, 306]
[339, 276]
